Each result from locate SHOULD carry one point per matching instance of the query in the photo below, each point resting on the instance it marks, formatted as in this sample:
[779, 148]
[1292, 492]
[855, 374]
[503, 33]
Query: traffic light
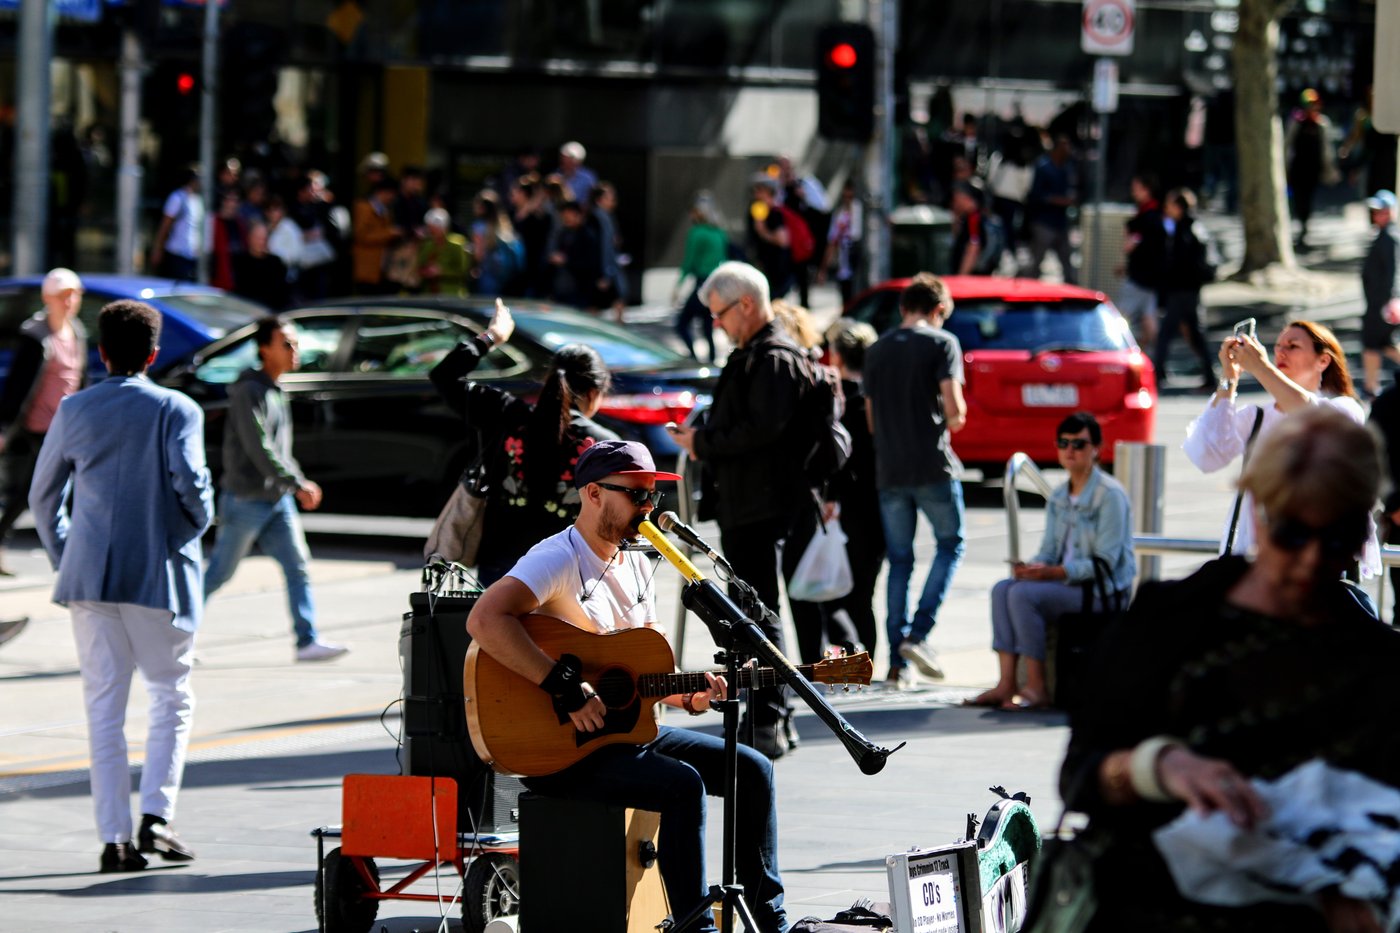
[846, 81]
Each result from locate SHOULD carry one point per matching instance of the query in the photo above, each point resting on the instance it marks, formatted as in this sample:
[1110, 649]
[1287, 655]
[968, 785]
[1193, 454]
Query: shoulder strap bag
[1239, 494]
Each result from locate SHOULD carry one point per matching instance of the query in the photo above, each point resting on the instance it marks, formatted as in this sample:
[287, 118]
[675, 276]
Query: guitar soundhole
[616, 688]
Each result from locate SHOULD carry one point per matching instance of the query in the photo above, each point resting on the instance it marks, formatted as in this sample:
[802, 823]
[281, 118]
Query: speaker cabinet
[588, 867]
[432, 650]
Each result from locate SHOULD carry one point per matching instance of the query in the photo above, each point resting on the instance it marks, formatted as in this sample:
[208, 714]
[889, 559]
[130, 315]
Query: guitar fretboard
[664, 685]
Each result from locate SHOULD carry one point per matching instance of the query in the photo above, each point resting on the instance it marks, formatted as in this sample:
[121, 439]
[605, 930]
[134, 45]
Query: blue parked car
[193, 315]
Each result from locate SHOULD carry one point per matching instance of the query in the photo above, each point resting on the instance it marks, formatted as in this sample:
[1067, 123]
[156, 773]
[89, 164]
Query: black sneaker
[770, 740]
[790, 730]
[120, 856]
[156, 836]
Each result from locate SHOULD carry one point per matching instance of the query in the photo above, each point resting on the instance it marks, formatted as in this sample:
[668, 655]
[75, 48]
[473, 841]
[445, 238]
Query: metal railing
[1145, 493]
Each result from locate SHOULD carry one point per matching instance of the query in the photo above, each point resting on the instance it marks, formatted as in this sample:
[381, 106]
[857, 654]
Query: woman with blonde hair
[1308, 369]
[1236, 676]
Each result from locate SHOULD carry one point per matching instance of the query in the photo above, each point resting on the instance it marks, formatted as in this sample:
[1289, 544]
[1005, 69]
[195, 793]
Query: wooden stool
[588, 867]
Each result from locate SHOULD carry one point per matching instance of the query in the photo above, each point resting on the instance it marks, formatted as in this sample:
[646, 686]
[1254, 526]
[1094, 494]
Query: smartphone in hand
[1245, 328]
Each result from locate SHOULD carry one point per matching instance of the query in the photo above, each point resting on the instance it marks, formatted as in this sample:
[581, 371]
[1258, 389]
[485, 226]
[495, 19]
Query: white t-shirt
[187, 231]
[577, 586]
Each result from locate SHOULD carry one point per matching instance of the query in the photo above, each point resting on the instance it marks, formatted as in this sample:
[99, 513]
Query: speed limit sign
[1107, 27]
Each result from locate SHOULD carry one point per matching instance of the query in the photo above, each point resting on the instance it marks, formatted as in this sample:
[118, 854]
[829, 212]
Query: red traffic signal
[845, 63]
[843, 55]
[184, 82]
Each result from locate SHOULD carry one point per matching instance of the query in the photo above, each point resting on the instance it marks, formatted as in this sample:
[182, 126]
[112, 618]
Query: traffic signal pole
[881, 154]
[129, 169]
[208, 97]
[30, 211]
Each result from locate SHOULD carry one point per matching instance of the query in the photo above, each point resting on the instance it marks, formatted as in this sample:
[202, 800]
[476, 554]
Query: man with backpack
[914, 400]
[765, 452]
[979, 240]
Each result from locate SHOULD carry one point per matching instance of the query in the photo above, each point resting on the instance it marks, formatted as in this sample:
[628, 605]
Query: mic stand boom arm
[729, 624]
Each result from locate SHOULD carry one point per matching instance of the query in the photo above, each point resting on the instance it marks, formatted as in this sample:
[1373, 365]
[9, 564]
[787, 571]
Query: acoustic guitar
[514, 726]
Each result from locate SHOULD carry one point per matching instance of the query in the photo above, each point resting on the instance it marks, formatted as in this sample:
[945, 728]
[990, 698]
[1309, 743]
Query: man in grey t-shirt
[914, 400]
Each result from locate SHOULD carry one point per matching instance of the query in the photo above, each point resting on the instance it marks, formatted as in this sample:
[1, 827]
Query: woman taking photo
[1308, 369]
[1087, 518]
[529, 451]
[1244, 670]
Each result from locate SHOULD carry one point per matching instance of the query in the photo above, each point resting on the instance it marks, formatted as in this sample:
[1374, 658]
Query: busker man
[914, 401]
[748, 443]
[263, 484]
[584, 576]
[50, 363]
[127, 551]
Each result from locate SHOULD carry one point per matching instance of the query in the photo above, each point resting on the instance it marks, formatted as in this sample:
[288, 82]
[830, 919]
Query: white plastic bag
[824, 572]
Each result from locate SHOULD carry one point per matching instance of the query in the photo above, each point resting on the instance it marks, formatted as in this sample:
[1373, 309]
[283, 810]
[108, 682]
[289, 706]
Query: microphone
[668, 550]
[670, 521]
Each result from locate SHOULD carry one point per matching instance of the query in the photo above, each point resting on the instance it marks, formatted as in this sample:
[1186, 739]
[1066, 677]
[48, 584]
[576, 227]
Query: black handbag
[1062, 897]
[1072, 639]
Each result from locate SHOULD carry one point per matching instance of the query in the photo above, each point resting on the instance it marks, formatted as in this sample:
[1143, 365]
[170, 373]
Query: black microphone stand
[739, 640]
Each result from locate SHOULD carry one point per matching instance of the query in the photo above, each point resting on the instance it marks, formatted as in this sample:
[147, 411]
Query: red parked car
[1033, 352]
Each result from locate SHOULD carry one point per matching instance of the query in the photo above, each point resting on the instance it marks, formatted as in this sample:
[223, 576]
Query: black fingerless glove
[565, 685]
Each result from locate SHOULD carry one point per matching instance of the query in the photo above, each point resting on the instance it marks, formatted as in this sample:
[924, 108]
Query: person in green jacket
[444, 259]
[706, 246]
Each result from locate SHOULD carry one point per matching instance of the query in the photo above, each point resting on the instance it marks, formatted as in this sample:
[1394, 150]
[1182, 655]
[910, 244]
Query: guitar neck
[664, 685]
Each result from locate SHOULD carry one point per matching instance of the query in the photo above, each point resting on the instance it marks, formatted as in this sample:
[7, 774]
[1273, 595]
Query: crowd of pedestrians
[290, 239]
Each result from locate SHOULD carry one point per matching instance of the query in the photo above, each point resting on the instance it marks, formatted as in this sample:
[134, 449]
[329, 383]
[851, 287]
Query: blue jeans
[671, 776]
[942, 505]
[276, 527]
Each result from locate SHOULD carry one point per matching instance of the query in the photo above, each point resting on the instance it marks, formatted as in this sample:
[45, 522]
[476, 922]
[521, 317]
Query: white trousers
[115, 639]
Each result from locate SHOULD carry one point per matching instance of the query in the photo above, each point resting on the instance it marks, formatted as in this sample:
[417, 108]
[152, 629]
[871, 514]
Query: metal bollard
[1142, 469]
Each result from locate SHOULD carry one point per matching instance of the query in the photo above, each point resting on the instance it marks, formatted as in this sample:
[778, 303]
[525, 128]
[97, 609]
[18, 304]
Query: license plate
[1037, 395]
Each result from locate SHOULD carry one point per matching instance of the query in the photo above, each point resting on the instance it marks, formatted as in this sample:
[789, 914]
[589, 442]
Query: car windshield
[618, 348]
[994, 324]
[219, 313]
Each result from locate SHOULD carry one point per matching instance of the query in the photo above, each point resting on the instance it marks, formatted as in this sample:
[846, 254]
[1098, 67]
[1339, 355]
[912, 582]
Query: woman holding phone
[1308, 368]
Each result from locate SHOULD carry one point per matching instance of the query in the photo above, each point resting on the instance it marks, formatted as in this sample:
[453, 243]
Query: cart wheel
[340, 907]
[490, 890]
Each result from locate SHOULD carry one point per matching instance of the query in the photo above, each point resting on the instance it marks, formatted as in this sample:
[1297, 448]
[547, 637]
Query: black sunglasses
[639, 497]
[1077, 443]
[1339, 540]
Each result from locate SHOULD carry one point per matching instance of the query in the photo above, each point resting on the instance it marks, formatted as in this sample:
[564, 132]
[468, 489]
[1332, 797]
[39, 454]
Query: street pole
[1100, 186]
[1105, 101]
[129, 169]
[208, 96]
[880, 156]
[30, 213]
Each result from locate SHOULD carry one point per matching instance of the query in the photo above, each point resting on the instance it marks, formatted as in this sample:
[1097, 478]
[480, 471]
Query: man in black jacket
[748, 442]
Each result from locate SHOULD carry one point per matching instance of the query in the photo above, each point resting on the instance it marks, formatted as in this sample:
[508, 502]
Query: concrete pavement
[272, 740]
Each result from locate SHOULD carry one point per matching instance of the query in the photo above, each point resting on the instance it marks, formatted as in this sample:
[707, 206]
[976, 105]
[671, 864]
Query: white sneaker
[320, 651]
[923, 657]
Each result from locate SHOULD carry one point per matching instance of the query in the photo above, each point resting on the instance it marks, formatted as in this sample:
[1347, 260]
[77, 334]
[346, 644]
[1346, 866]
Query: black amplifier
[432, 651]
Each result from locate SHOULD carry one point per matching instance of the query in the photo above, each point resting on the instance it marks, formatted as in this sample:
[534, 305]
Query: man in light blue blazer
[127, 551]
